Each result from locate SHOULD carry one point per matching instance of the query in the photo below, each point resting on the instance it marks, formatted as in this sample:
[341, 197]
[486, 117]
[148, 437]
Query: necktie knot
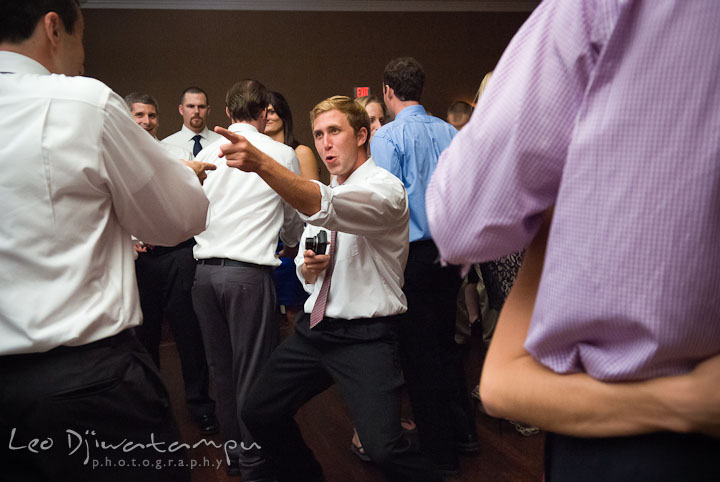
[197, 147]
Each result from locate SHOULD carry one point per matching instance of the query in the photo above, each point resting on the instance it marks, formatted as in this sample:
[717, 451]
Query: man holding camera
[348, 334]
[233, 294]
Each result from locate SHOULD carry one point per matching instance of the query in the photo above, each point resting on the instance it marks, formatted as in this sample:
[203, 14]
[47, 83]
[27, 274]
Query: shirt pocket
[347, 247]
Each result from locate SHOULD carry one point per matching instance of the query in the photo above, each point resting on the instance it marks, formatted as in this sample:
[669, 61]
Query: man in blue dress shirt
[409, 148]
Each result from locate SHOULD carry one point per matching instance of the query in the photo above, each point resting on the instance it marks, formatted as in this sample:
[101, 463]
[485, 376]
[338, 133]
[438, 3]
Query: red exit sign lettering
[362, 91]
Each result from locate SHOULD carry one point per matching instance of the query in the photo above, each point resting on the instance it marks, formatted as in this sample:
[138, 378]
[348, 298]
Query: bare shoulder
[308, 162]
[302, 151]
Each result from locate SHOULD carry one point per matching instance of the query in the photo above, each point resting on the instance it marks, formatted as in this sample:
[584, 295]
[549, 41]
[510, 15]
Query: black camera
[317, 244]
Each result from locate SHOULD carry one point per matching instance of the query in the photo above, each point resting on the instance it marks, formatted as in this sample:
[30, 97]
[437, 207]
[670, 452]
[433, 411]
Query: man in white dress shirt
[349, 333]
[194, 134]
[233, 294]
[165, 276]
[78, 177]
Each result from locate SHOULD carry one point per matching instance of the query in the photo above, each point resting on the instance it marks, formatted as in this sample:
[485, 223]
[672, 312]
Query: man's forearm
[301, 194]
[515, 386]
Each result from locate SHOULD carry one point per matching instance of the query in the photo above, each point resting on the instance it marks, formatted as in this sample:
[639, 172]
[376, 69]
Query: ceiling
[324, 5]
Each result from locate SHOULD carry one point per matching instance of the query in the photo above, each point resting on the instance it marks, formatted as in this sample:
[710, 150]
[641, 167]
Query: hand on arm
[301, 194]
[200, 168]
[288, 251]
[515, 386]
[313, 265]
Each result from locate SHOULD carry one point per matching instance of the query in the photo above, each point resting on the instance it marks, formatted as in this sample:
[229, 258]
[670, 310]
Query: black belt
[160, 250]
[233, 262]
[122, 337]
[357, 321]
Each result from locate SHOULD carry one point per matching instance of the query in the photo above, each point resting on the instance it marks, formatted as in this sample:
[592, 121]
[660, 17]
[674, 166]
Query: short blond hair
[355, 113]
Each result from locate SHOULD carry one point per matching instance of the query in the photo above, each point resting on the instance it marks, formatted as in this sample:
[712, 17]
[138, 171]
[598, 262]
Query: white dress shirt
[177, 152]
[184, 138]
[245, 214]
[370, 213]
[78, 176]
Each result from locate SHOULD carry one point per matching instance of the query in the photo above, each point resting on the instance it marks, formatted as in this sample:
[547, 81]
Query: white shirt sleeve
[154, 196]
[365, 208]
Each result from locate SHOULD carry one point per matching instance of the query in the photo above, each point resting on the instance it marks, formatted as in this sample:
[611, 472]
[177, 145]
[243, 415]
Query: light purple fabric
[609, 110]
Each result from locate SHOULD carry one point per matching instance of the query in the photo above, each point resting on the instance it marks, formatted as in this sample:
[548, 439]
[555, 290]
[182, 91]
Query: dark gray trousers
[236, 309]
[361, 357]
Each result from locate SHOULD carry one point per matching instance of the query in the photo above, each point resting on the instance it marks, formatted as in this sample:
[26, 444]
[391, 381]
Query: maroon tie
[318, 311]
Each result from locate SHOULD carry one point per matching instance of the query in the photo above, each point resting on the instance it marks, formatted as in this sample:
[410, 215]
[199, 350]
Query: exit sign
[362, 91]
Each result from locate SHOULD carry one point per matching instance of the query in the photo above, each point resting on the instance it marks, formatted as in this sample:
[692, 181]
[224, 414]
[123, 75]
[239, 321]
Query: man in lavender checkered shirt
[597, 143]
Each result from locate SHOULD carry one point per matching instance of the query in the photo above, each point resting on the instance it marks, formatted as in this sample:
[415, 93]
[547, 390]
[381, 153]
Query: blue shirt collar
[411, 110]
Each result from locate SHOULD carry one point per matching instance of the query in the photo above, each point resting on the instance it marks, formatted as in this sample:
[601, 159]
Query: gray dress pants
[235, 305]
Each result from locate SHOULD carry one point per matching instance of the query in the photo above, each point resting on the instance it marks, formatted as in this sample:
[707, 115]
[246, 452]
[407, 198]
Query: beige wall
[307, 56]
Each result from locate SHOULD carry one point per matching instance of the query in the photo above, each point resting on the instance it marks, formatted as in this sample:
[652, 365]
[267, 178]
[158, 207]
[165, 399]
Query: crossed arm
[515, 386]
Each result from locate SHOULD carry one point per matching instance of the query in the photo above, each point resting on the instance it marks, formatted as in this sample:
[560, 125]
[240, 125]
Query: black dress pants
[358, 355]
[431, 361]
[655, 457]
[165, 278]
[82, 405]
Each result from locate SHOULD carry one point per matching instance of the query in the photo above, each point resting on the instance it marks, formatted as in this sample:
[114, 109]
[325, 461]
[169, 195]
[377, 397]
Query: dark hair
[193, 90]
[20, 17]
[141, 98]
[459, 108]
[246, 100]
[282, 109]
[406, 77]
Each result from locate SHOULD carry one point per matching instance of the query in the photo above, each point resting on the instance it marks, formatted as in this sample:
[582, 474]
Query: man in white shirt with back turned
[194, 134]
[78, 177]
[233, 294]
[349, 333]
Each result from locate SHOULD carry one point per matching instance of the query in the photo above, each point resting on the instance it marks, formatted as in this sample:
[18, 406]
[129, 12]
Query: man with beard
[194, 134]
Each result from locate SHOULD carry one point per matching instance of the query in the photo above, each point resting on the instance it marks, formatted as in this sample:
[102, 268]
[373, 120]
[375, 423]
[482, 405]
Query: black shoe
[207, 423]
[448, 470]
[467, 444]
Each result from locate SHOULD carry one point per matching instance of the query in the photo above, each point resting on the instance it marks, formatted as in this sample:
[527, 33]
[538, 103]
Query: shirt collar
[358, 174]
[411, 110]
[242, 127]
[191, 133]
[20, 64]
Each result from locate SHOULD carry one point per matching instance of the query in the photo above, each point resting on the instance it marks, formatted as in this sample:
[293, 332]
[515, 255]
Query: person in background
[459, 113]
[377, 111]
[233, 294]
[279, 127]
[409, 148]
[165, 276]
[194, 135]
[290, 294]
